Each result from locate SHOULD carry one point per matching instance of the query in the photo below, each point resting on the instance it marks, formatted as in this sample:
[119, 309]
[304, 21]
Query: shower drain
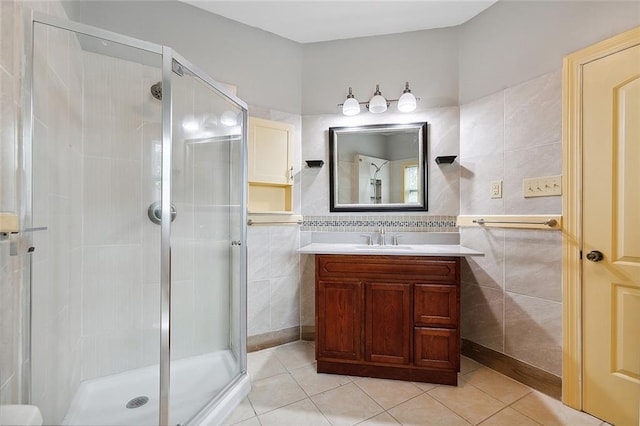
[137, 402]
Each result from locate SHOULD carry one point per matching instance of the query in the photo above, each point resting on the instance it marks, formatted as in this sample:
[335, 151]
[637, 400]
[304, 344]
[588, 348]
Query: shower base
[194, 382]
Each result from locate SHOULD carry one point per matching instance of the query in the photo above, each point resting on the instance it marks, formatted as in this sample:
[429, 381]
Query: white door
[611, 237]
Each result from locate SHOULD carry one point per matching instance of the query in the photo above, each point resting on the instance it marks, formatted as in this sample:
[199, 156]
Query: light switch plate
[496, 189]
[548, 186]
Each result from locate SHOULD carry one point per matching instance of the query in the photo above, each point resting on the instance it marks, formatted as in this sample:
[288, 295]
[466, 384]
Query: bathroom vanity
[388, 312]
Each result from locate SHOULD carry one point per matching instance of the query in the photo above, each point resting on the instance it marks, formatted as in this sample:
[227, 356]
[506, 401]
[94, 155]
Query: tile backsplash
[344, 223]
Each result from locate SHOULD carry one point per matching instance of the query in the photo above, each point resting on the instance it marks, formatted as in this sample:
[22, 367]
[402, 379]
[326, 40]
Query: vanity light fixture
[407, 101]
[378, 104]
[351, 106]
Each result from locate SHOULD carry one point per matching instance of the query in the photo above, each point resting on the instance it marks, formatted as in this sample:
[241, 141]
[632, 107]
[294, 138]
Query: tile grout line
[477, 388]
[520, 412]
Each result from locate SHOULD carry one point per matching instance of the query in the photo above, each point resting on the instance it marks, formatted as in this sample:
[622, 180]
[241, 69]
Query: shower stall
[133, 213]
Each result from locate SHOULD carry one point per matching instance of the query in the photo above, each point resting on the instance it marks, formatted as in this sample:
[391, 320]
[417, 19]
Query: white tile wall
[512, 297]
[273, 278]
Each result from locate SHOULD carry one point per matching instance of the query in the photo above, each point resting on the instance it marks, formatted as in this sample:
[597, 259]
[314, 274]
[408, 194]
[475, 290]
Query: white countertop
[390, 250]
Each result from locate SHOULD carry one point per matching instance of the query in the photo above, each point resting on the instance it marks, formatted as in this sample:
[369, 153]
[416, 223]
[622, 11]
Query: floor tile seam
[504, 376]
[326, 390]
[441, 403]
[376, 415]
[466, 382]
[402, 402]
[320, 411]
[503, 404]
[282, 406]
[512, 406]
[255, 381]
[252, 409]
[399, 422]
[509, 406]
[463, 419]
[297, 368]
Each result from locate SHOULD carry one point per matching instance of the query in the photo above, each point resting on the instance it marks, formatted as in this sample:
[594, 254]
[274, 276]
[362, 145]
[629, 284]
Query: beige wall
[511, 298]
[514, 41]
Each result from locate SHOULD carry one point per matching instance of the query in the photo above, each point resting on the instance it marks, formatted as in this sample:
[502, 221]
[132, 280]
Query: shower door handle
[16, 242]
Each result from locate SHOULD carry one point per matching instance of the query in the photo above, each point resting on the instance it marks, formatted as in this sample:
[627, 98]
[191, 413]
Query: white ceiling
[312, 21]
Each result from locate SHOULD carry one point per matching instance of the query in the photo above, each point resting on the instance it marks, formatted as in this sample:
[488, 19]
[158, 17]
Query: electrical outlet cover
[496, 189]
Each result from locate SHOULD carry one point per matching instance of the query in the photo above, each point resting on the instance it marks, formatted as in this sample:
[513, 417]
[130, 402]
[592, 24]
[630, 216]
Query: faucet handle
[395, 239]
[369, 239]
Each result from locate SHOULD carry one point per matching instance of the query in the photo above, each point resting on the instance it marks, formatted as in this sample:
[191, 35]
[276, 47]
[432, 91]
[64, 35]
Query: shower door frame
[238, 387]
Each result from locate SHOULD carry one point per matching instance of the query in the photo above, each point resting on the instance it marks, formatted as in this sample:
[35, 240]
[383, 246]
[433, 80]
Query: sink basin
[384, 248]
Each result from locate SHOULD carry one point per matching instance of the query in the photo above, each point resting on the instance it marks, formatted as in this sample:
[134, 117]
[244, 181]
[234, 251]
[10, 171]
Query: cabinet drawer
[436, 304]
[436, 348]
[406, 268]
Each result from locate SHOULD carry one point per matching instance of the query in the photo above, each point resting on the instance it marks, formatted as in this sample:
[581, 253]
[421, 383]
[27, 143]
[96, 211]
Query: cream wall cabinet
[270, 167]
[270, 152]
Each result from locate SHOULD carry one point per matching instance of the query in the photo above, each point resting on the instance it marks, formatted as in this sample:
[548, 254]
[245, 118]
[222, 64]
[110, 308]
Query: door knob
[595, 256]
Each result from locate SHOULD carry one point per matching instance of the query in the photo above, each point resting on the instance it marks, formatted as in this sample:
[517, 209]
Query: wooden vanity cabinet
[395, 317]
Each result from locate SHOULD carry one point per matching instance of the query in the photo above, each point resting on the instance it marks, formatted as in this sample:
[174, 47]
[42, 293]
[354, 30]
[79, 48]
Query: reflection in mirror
[378, 167]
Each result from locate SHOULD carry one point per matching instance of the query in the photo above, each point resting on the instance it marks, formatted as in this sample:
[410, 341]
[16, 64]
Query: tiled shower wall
[59, 70]
[119, 129]
[512, 297]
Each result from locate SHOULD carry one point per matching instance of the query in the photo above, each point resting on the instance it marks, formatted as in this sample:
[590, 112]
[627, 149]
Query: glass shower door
[95, 304]
[206, 244]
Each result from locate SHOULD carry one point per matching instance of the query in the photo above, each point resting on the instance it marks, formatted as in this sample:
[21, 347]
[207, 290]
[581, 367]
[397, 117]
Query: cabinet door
[436, 348]
[270, 152]
[388, 323]
[436, 304]
[339, 320]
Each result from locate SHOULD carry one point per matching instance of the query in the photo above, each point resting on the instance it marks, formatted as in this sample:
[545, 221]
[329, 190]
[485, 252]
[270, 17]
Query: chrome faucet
[382, 241]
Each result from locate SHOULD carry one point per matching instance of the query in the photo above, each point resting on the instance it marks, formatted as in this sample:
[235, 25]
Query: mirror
[378, 167]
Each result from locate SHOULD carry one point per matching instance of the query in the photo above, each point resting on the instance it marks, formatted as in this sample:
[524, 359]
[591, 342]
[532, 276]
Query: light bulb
[407, 102]
[351, 107]
[190, 124]
[378, 103]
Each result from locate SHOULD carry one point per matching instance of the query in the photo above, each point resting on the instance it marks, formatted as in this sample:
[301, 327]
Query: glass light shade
[378, 104]
[190, 124]
[351, 107]
[407, 102]
[228, 118]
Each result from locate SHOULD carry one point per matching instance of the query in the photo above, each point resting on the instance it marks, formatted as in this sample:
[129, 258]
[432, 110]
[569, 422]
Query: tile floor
[286, 390]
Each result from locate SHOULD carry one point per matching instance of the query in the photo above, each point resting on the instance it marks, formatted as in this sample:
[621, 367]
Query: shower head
[380, 167]
[156, 90]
